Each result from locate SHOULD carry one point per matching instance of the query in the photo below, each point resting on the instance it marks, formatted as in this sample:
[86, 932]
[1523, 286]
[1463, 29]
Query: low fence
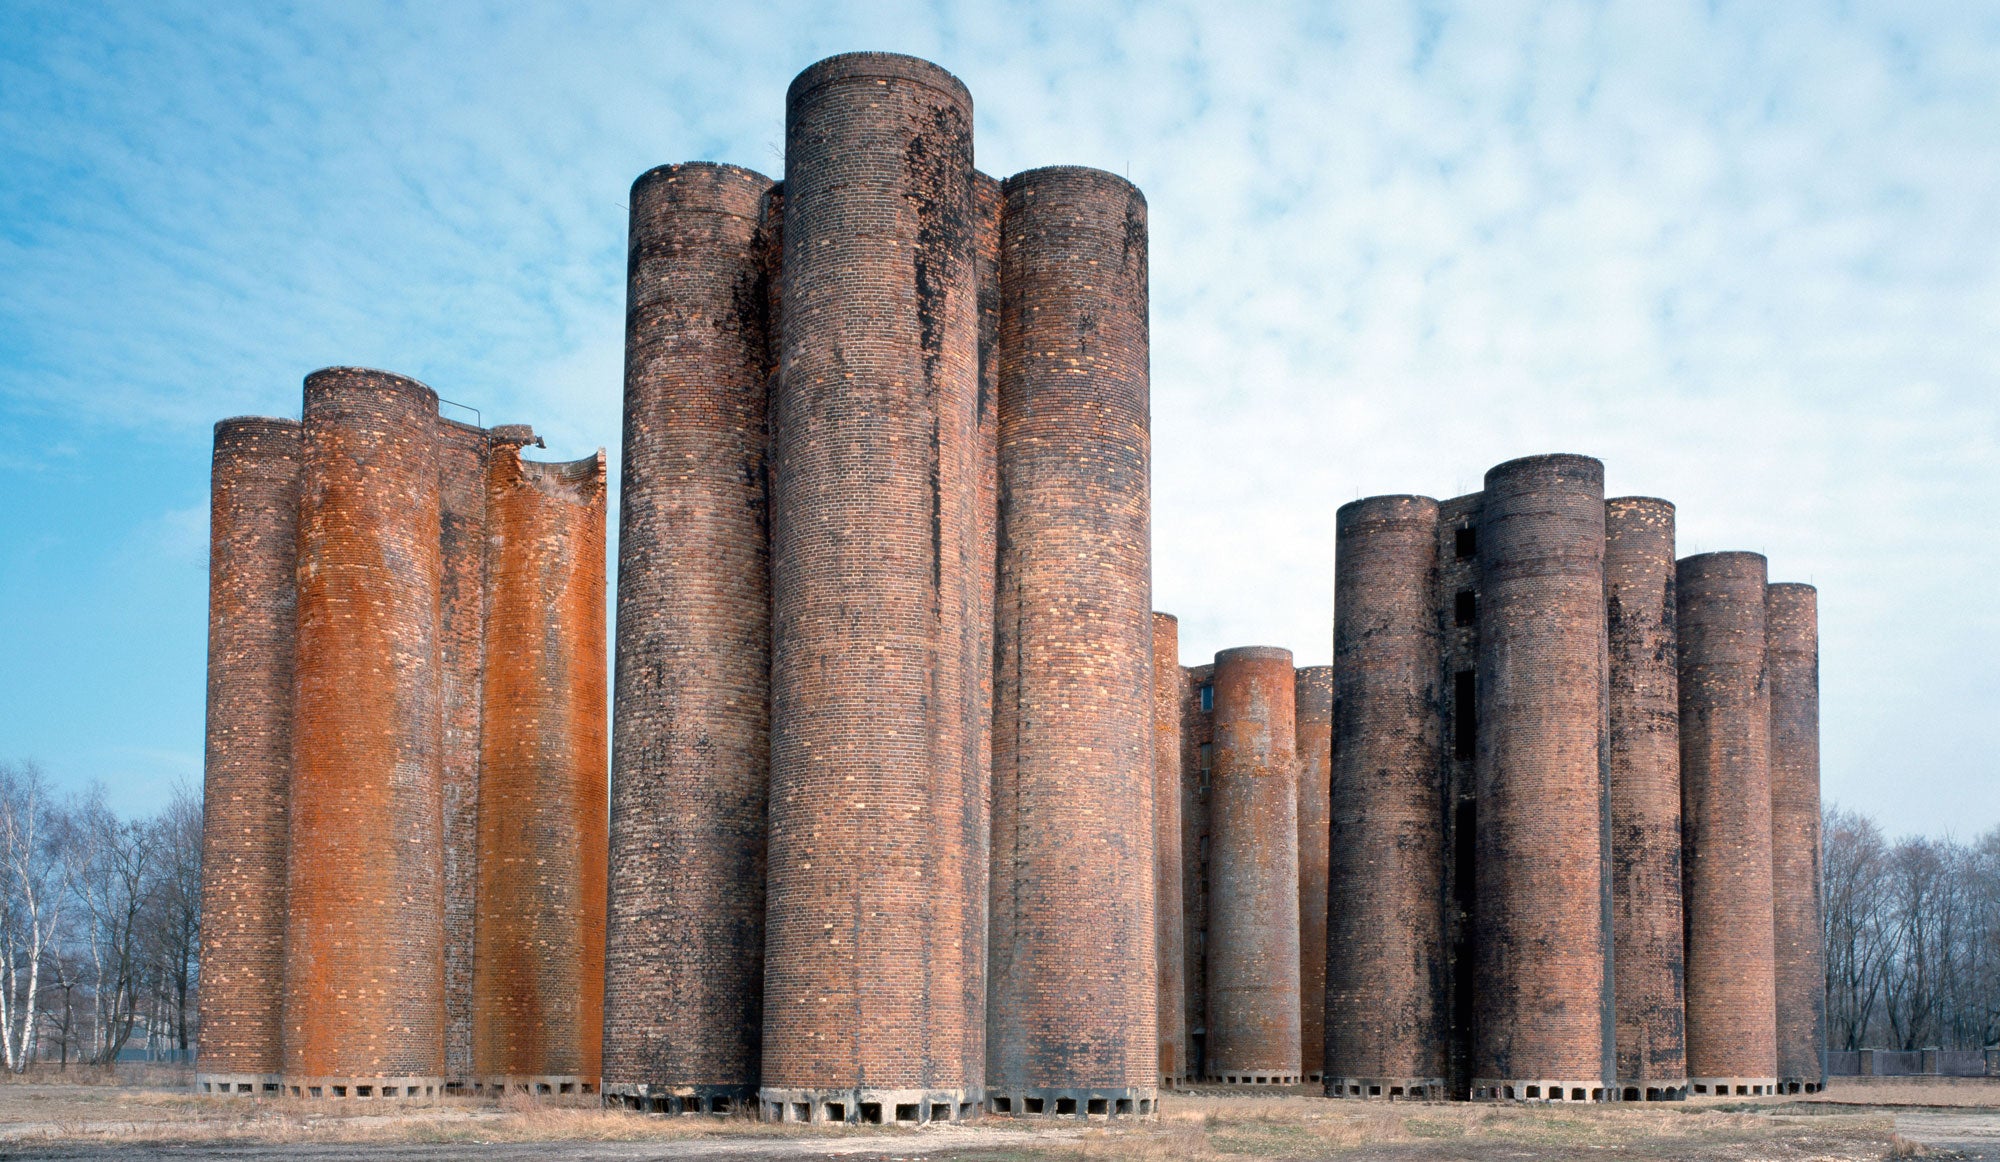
[1913, 1063]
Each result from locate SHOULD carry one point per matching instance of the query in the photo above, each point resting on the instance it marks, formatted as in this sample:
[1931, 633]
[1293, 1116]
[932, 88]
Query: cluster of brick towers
[912, 811]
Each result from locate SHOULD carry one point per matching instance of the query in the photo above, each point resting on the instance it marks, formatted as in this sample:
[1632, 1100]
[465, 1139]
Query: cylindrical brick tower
[1645, 798]
[538, 962]
[1791, 634]
[989, 204]
[1384, 940]
[1313, 698]
[364, 957]
[1197, 761]
[1073, 987]
[461, 455]
[876, 801]
[683, 987]
[1169, 932]
[1541, 923]
[252, 626]
[1253, 875]
[1725, 710]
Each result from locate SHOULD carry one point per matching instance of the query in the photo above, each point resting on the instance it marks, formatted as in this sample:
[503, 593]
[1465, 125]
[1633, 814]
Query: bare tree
[110, 870]
[174, 918]
[32, 900]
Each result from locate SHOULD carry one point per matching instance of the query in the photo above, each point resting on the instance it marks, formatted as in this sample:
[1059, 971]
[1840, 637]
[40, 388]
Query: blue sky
[1748, 254]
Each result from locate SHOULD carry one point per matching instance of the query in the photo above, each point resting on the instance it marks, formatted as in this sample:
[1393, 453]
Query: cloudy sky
[1746, 253]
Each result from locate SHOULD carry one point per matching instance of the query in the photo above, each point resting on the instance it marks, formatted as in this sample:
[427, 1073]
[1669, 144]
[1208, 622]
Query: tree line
[100, 920]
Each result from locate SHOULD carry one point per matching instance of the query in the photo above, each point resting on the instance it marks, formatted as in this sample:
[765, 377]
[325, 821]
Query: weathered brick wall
[1791, 633]
[1384, 937]
[364, 967]
[1197, 761]
[461, 456]
[1459, 579]
[683, 995]
[1725, 711]
[1312, 688]
[1253, 876]
[538, 966]
[252, 623]
[1169, 933]
[1072, 990]
[876, 806]
[989, 204]
[1541, 923]
[1645, 795]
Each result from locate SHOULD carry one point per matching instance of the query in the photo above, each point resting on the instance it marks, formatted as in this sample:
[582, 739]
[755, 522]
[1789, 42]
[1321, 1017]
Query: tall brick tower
[1384, 939]
[1253, 878]
[1073, 988]
[538, 960]
[1170, 932]
[1645, 798]
[683, 996]
[252, 627]
[1542, 933]
[364, 967]
[1197, 763]
[877, 870]
[1791, 634]
[462, 461]
[1312, 691]
[1726, 823]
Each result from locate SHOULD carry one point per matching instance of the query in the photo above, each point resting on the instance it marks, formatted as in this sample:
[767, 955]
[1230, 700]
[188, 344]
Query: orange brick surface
[1791, 634]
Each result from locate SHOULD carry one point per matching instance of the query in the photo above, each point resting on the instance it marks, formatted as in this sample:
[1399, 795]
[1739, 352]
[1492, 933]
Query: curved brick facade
[1791, 632]
[1725, 712]
[1073, 989]
[989, 203]
[683, 996]
[877, 813]
[1541, 930]
[1253, 875]
[461, 455]
[364, 966]
[1384, 939]
[1312, 688]
[1169, 932]
[1645, 797]
[538, 961]
[252, 622]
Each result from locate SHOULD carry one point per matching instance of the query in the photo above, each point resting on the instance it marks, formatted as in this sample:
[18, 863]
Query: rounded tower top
[1588, 469]
[705, 185]
[338, 377]
[849, 66]
[1076, 175]
[1394, 508]
[1254, 654]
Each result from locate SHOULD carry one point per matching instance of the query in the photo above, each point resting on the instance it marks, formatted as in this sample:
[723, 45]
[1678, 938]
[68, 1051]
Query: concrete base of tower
[1387, 1088]
[660, 1098]
[865, 1106]
[1251, 1075]
[1733, 1086]
[1653, 1089]
[364, 1088]
[1801, 1084]
[537, 1085]
[239, 1084]
[1542, 1089]
[1056, 1102]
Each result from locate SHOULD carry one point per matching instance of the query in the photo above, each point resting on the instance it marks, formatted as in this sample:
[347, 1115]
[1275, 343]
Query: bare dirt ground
[148, 1117]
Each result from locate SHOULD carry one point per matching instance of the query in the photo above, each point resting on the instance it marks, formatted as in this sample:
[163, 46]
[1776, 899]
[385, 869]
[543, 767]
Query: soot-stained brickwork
[878, 826]
[1644, 724]
[1457, 616]
[462, 459]
[1197, 782]
[1312, 691]
[683, 997]
[1253, 874]
[1073, 989]
[1725, 709]
[1791, 635]
[1384, 936]
[1541, 924]
[1170, 931]
[252, 621]
[538, 960]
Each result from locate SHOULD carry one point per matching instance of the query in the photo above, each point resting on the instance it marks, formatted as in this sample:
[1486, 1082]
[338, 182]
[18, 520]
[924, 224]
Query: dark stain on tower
[1073, 990]
[462, 459]
[1197, 782]
[1791, 634]
[1170, 932]
[1312, 688]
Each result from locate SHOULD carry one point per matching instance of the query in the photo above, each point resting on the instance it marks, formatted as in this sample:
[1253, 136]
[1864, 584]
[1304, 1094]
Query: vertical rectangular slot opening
[1465, 607]
[1465, 543]
[1464, 715]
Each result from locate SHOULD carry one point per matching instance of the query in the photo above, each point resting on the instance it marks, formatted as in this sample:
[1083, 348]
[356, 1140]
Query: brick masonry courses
[1072, 984]
[1459, 581]
[538, 963]
[989, 203]
[1725, 711]
[877, 814]
[461, 457]
[1253, 875]
[1644, 727]
[1791, 634]
[1197, 760]
[1542, 989]
[1384, 936]
[252, 622]
[364, 967]
[1170, 931]
[1312, 689]
[685, 943]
